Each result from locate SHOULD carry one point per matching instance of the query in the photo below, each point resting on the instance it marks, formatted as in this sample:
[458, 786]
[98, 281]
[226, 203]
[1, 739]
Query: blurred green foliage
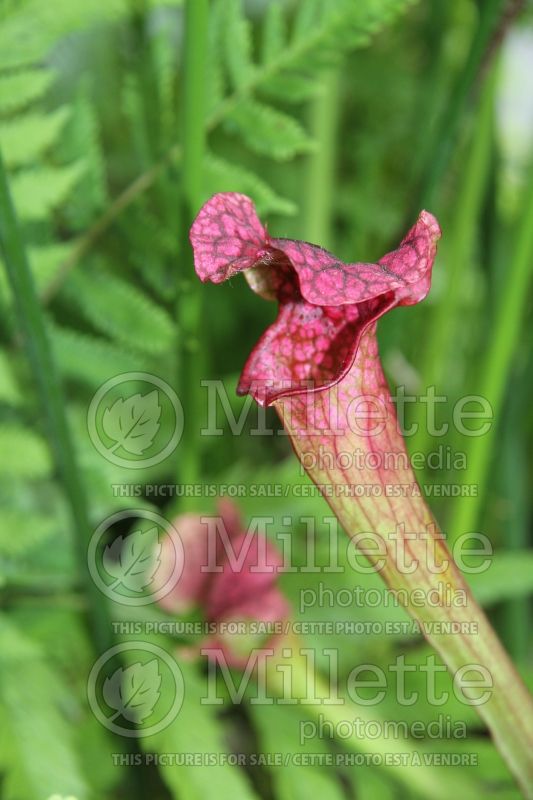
[340, 118]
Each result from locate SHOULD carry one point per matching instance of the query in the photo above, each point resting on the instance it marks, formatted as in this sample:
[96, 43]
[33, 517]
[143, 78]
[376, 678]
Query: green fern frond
[221, 176]
[40, 191]
[33, 28]
[290, 70]
[165, 63]
[21, 531]
[216, 79]
[25, 454]
[19, 89]
[37, 753]
[88, 359]
[46, 260]
[82, 138]
[153, 249]
[290, 88]
[46, 567]
[238, 43]
[309, 16]
[132, 108]
[196, 730]
[30, 29]
[274, 36]
[270, 132]
[324, 30]
[121, 311]
[106, 481]
[24, 138]
[38, 550]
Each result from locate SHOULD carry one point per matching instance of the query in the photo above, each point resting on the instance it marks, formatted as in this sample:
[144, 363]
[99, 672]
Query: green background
[341, 119]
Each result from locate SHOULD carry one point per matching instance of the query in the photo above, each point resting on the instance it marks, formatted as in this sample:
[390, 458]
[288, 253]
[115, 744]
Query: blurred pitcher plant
[227, 575]
[229, 581]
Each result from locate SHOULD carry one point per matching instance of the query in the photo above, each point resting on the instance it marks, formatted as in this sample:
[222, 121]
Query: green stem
[493, 15]
[512, 477]
[440, 341]
[496, 367]
[190, 305]
[435, 79]
[324, 118]
[51, 396]
[195, 102]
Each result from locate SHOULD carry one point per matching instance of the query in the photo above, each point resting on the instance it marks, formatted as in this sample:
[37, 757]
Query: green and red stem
[325, 431]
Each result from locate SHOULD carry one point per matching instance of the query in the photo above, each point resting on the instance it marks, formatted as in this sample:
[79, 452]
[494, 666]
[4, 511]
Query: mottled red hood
[324, 304]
